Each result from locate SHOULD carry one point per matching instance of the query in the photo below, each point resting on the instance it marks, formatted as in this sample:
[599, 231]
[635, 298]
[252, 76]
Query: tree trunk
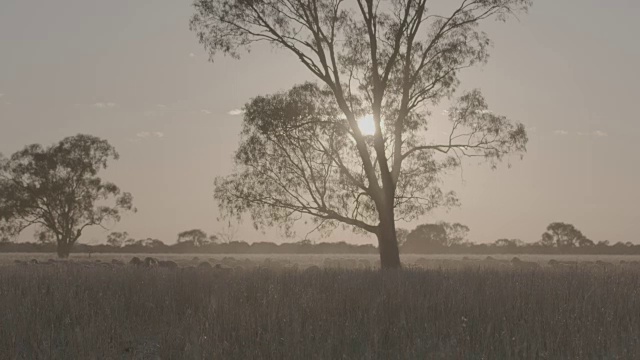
[64, 248]
[388, 242]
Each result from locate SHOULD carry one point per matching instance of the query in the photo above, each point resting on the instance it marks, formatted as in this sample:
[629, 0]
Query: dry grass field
[253, 308]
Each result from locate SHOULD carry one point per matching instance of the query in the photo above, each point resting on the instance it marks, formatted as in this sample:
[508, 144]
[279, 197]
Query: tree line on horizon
[430, 238]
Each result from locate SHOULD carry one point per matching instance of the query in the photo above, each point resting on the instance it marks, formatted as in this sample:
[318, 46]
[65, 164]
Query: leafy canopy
[196, 237]
[564, 235]
[57, 189]
[438, 235]
[303, 152]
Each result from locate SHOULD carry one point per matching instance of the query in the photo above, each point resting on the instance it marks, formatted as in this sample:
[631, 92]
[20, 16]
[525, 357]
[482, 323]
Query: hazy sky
[133, 73]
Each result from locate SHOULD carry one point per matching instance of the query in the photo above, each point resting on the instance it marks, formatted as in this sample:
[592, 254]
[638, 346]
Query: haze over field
[133, 73]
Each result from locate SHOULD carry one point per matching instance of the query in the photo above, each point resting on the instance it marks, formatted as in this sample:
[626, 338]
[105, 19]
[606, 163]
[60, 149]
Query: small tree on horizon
[435, 236]
[119, 239]
[563, 235]
[149, 242]
[58, 191]
[196, 237]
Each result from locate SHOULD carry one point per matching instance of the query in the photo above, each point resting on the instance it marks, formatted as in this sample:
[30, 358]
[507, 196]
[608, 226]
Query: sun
[367, 125]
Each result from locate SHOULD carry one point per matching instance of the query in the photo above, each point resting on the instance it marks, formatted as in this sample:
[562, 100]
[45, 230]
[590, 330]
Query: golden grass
[76, 312]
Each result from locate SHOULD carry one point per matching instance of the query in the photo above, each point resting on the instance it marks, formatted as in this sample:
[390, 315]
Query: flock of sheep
[226, 265]
[230, 264]
[516, 263]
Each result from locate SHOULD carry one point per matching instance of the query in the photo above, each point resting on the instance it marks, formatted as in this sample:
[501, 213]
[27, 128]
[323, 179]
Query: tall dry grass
[60, 312]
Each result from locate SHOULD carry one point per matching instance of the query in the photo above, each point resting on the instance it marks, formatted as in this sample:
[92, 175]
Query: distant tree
[563, 235]
[196, 237]
[118, 239]
[456, 233]
[57, 189]
[547, 240]
[150, 243]
[509, 243]
[585, 242]
[304, 153]
[426, 236]
[434, 236]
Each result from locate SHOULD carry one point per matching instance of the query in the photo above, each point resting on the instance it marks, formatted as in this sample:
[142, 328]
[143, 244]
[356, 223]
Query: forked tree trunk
[388, 242]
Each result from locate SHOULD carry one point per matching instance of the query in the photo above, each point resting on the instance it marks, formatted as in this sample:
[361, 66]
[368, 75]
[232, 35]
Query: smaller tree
[118, 239]
[57, 190]
[456, 233]
[196, 237]
[563, 235]
[149, 243]
[426, 236]
[435, 236]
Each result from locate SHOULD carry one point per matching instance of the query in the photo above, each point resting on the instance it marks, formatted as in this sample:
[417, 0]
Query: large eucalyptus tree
[57, 190]
[385, 63]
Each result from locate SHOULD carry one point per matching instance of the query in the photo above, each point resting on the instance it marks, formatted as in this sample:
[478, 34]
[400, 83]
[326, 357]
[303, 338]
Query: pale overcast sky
[133, 73]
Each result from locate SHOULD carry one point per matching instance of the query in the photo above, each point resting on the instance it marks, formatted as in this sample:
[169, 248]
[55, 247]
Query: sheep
[493, 263]
[423, 263]
[560, 265]
[222, 269]
[228, 260]
[452, 265]
[349, 264]
[331, 263]
[150, 262]
[524, 265]
[633, 264]
[313, 269]
[168, 264]
[364, 263]
[135, 261]
[604, 265]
